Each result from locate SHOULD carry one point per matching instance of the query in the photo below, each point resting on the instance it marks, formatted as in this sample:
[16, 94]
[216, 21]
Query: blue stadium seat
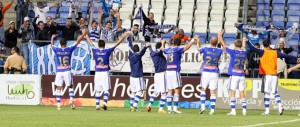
[202, 37]
[278, 15]
[63, 15]
[278, 4]
[289, 24]
[296, 36]
[229, 38]
[262, 15]
[293, 16]
[278, 24]
[52, 10]
[293, 5]
[62, 21]
[210, 35]
[294, 42]
[64, 9]
[263, 4]
[260, 23]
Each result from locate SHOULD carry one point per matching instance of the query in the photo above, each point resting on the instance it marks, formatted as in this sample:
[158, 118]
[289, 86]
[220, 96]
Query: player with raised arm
[102, 76]
[63, 67]
[137, 84]
[160, 65]
[174, 55]
[268, 68]
[210, 73]
[236, 70]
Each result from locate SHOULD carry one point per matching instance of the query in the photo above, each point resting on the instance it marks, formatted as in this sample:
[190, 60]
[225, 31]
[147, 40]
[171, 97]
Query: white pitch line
[262, 124]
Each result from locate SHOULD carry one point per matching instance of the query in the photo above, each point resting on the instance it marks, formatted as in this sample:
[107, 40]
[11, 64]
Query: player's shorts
[269, 84]
[137, 84]
[209, 80]
[237, 83]
[173, 80]
[102, 81]
[160, 82]
[62, 77]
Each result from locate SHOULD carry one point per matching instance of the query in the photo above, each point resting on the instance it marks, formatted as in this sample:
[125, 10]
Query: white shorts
[209, 80]
[102, 81]
[137, 84]
[237, 83]
[173, 80]
[63, 76]
[160, 82]
[269, 84]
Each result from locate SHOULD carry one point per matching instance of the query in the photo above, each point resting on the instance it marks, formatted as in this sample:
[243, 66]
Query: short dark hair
[266, 43]
[257, 44]
[63, 42]
[94, 22]
[108, 22]
[101, 43]
[238, 43]
[177, 41]
[158, 45]
[136, 48]
[136, 25]
[280, 29]
[40, 22]
[17, 50]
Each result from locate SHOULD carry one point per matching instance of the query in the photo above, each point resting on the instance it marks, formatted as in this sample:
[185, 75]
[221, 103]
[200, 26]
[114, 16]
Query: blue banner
[42, 59]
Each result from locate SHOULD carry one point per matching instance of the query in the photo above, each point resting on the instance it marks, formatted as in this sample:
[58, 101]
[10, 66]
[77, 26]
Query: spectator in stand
[284, 50]
[3, 9]
[111, 18]
[25, 33]
[120, 31]
[94, 28]
[157, 35]
[10, 38]
[68, 31]
[148, 21]
[21, 11]
[15, 64]
[49, 26]
[83, 24]
[282, 34]
[41, 11]
[41, 33]
[253, 63]
[107, 6]
[137, 36]
[180, 35]
[107, 33]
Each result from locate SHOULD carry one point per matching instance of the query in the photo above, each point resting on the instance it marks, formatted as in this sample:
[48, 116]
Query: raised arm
[91, 16]
[84, 32]
[100, 14]
[129, 39]
[89, 40]
[289, 57]
[126, 35]
[220, 38]
[259, 51]
[52, 39]
[55, 5]
[240, 27]
[163, 43]
[118, 25]
[188, 46]
[143, 51]
[293, 68]
[244, 43]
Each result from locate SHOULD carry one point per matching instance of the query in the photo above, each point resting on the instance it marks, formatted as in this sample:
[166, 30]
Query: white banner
[190, 63]
[20, 89]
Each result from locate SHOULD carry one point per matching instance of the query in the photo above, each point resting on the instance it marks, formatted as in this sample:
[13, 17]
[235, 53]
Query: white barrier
[20, 89]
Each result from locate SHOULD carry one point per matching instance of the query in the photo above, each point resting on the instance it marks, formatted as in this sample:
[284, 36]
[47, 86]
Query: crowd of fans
[107, 26]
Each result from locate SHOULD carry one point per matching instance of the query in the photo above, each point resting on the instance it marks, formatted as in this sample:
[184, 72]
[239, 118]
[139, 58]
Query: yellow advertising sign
[289, 84]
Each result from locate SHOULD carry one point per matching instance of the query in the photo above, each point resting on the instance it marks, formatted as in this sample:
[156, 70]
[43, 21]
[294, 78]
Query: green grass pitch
[48, 116]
